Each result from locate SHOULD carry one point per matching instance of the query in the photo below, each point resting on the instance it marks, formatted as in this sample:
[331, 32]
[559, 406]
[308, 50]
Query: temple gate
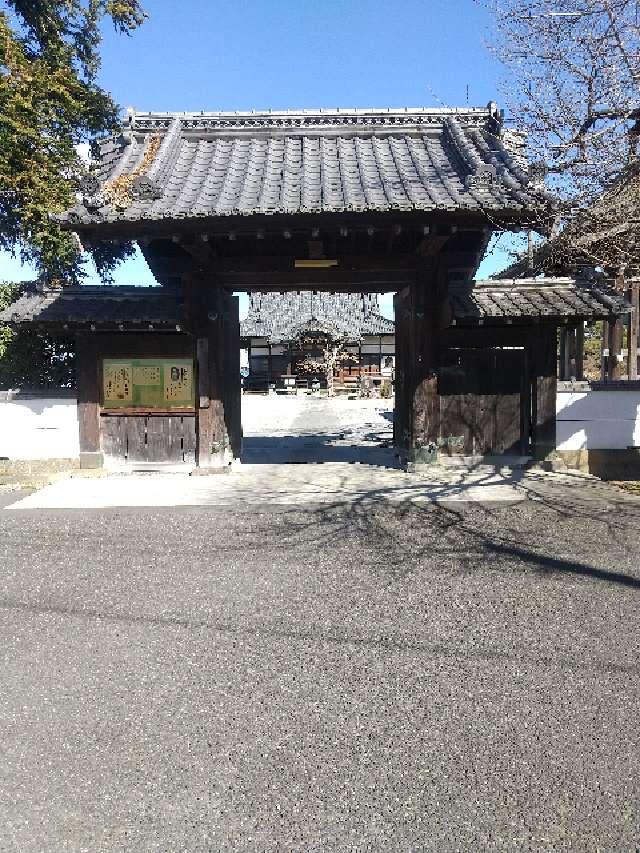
[359, 201]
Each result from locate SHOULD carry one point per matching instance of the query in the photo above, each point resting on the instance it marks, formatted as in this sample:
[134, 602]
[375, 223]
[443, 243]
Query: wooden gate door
[148, 438]
[484, 400]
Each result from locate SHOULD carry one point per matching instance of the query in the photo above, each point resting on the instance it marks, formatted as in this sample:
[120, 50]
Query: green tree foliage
[32, 359]
[50, 102]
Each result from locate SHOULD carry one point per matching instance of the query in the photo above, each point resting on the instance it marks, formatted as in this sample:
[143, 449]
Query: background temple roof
[183, 165]
[281, 316]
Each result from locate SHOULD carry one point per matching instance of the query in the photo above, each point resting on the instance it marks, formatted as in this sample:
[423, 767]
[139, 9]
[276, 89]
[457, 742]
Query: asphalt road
[345, 678]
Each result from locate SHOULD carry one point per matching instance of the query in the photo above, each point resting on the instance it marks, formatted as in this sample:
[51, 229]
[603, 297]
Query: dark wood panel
[189, 439]
[454, 426]
[142, 438]
[136, 345]
[163, 439]
[543, 372]
[477, 424]
[137, 439]
[508, 424]
[113, 436]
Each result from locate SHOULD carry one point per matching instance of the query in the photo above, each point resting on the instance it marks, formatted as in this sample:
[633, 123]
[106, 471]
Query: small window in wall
[148, 383]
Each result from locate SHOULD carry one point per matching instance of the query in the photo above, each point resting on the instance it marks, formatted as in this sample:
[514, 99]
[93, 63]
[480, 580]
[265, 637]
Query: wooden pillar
[614, 362]
[604, 351]
[232, 396]
[571, 355]
[634, 323]
[425, 402]
[544, 387]
[204, 421]
[402, 410]
[564, 366]
[88, 381]
[421, 311]
[214, 322]
[580, 351]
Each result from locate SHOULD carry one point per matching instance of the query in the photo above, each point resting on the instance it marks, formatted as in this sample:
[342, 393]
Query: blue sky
[255, 54]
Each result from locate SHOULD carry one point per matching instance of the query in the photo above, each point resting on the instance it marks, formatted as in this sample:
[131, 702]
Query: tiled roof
[182, 165]
[543, 298]
[282, 316]
[103, 306]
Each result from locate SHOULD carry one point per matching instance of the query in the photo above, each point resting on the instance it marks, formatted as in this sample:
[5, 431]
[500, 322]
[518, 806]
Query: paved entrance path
[281, 485]
[297, 451]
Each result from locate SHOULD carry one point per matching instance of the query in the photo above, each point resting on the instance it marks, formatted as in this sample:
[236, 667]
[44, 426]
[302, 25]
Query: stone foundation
[606, 464]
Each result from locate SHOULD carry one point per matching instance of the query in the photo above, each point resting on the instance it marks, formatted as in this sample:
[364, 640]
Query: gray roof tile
[217, 164]
[103, 305]
[556, 298]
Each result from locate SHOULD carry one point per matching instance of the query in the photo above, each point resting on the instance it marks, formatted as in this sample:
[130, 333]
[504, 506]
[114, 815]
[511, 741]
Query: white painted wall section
[40, 428]
[598, 419]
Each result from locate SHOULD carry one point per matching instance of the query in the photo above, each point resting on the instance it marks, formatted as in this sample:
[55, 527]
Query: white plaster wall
[44, 428]
[598, 419]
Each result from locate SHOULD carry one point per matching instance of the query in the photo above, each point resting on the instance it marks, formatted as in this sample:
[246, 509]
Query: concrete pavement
[347, 677]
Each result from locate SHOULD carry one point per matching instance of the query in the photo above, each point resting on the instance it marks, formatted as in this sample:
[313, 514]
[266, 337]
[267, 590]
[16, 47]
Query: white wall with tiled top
[38, 428]
[597, 418]
[592, 419]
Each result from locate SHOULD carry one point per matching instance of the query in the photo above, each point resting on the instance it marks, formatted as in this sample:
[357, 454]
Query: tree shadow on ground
[533, 535]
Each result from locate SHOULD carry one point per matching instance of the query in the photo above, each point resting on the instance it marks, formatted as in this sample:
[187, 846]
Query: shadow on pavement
[318, 448]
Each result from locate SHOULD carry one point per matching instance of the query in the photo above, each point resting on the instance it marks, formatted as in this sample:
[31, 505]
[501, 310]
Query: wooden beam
[200, 250]
[285, 263]
[335, 280]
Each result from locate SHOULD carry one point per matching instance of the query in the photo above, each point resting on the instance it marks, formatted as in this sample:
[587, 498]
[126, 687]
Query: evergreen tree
[49, 103]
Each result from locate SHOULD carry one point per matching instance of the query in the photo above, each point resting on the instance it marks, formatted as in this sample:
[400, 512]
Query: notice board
[147, 383]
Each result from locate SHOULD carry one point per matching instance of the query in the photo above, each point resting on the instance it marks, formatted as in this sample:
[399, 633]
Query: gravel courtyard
[279, 429]
[348, 676]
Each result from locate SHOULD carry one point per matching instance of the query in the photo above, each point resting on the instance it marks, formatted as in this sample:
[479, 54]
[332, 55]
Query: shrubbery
[30, 358]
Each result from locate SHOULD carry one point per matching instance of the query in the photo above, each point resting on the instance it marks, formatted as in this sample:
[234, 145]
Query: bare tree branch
[573, 85]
